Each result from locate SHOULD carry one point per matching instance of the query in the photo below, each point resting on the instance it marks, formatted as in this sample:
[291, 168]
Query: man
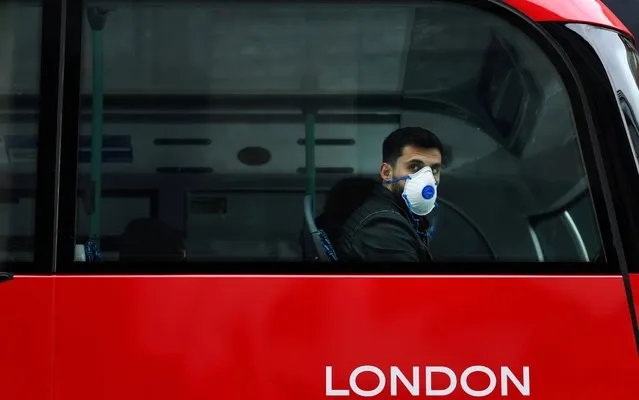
[391, 224]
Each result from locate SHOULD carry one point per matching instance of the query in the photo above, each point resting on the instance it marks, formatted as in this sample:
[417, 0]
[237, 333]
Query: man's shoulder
[379, 231]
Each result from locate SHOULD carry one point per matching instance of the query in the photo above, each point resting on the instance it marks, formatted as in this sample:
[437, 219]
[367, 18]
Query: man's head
[406, 151]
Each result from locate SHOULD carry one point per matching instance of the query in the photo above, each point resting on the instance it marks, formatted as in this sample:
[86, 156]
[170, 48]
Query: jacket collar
[401, 206]
[397, 203]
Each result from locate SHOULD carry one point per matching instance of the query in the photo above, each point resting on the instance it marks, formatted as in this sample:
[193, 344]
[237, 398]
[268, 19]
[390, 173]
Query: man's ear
[386, 172]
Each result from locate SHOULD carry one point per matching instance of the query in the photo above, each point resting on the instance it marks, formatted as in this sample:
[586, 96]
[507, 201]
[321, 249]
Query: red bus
[225, 124]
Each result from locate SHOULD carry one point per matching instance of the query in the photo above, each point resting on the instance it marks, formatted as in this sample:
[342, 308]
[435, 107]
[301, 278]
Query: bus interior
[217, 119]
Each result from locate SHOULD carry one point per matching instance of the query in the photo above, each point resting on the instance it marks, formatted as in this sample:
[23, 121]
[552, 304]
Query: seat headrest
[148, 239]
[348, 194]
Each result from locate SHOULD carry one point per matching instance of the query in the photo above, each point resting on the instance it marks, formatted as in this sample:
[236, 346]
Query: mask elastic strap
[404, 178]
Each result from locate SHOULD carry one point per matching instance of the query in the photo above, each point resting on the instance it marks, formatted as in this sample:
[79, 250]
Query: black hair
[409, 136]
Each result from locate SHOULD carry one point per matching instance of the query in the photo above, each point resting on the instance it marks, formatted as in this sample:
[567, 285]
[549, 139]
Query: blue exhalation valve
[428, 192]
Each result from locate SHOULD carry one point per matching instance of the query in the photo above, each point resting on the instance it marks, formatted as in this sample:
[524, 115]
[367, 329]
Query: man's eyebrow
[417, 161]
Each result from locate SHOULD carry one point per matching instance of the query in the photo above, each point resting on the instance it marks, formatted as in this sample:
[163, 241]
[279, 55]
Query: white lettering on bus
[429, 381]
[478, 393]
[506, 375]
[413, 387]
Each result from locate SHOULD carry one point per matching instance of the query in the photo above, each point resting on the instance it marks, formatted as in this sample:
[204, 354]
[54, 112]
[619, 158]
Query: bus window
[19, 76]
[619, 57]
[629, 102]
[568, 231]
[629, 112]
[230, 113]
[630, 118]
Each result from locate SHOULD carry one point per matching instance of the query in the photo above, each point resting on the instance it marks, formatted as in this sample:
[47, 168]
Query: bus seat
[149, 239]
[88, 252]
[320, 246]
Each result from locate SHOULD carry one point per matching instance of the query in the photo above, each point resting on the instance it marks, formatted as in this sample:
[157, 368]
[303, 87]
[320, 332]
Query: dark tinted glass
[19, 77]
[210, 111]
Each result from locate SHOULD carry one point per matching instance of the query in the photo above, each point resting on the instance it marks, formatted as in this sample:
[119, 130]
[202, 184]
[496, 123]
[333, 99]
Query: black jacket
[382, 229]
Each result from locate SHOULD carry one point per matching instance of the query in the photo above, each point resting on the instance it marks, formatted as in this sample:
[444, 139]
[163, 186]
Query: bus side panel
[634, 284]
[273, 337]
[26, 338]
[569, 11]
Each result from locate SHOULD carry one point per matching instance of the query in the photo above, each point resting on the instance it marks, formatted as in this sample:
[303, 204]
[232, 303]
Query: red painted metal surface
[26, 338]
[586, 11]
[634, 284]
[272, 337]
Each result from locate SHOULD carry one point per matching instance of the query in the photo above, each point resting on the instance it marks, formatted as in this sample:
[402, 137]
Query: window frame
[630, 118]
[50, 100]
[67, 154]
[616, 152]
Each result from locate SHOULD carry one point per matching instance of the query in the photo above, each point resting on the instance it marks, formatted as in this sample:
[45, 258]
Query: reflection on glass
[19, 78]
[628, 95]
[633, 60]
[215, 119]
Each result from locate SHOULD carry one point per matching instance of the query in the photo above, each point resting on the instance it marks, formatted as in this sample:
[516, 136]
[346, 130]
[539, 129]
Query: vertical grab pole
[97, 20]
[309, 135]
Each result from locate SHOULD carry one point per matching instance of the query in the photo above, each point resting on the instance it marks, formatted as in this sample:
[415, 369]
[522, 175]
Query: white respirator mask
[420, 191]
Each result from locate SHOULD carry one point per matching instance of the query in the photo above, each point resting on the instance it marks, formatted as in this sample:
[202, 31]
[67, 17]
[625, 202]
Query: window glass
[630, 111]
[629, 96]
[630, 118]
[619, 57]
[19, 79]
[568, 232]
[633, 60]
[208, 106]
[622, 63]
